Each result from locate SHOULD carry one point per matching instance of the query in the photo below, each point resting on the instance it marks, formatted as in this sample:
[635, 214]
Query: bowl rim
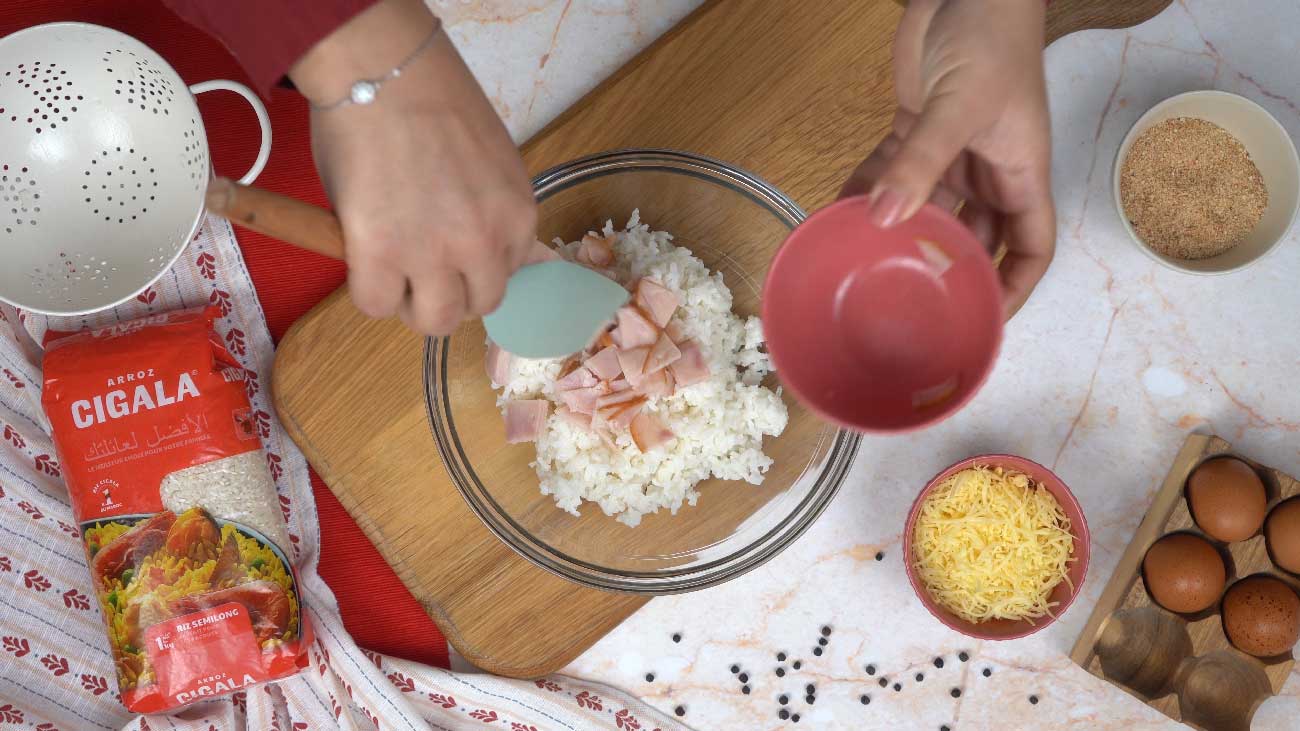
[1082, 536]
[837, 462]
[952, 407]
[1127, 142]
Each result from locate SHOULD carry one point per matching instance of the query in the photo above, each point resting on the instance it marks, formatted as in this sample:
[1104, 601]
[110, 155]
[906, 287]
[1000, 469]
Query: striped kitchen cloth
[55, 670]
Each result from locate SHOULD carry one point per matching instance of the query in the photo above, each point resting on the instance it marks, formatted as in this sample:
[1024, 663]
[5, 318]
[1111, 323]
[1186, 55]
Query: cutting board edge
[290, 344]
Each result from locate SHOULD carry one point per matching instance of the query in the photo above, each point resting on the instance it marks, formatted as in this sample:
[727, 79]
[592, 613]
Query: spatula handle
[293, 221]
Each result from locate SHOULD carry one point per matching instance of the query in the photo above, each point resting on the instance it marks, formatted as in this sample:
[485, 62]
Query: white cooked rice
[719, 424]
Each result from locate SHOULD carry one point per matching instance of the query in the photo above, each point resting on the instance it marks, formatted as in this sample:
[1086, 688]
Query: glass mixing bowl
[735, 223]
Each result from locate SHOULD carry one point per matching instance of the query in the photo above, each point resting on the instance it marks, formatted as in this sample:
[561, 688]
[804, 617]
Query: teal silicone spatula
[550, 309]
[553, 309]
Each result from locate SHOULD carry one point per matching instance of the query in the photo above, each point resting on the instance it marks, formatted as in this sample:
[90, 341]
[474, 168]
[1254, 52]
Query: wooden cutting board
[795, 91]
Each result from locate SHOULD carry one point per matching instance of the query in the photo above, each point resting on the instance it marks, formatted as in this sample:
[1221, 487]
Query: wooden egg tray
[1183, 665]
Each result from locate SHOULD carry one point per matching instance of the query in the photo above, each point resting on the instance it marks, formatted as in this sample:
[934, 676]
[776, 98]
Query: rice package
[185, 540]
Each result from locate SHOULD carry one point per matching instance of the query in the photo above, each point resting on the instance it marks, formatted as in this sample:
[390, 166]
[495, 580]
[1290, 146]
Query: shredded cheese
[990, 544]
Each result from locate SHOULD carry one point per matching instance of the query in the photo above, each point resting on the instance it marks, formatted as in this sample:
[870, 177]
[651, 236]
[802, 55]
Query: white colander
[103, 166]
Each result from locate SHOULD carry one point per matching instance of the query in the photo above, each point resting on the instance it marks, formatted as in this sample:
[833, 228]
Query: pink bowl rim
[1082, 536]
[954, 406]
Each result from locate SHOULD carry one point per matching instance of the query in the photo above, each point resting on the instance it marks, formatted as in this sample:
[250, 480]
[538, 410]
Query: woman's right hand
[436, 206]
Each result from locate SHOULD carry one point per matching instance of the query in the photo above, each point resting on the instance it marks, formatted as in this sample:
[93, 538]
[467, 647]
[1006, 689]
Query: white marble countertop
[1102, 375]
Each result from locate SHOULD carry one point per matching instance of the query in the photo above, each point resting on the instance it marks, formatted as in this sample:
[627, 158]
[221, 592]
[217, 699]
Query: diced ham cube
[633, 364]
[619, 416]
[579, 378]
[655, 300]
[620, 397]
[606, 436]
[582, 421]
[659, 384]
[525, 419]
[663, 354]
[691, 368]
[581, 400]
[595, 251]
[649, 432]
[604, 364]
[634, 330]
[497, 364]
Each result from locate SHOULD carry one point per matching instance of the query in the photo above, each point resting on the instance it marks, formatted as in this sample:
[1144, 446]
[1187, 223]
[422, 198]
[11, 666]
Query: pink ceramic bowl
[1063, 595]
[882, 330]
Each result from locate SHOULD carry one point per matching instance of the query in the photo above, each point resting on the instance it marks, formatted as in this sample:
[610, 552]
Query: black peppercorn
[880, 556]
[865, 699]
[826, 631]
[919, 677]
[780, 672]
[988, 672]
[798, 664]
[810, 689]
[810, 699]
[783, 714]
[735, 669]
[795, 718]
[963, 656]
[938, 662]
[780, 657]
[955, 692]
[744, 689]
[884, 682]
[744, 677]
[897, 687]
[871, 670]
[680, 710]
[1033, 699]
[649, 677]
[677, 637]
[823, 641]
[784, 699]
[817, 652]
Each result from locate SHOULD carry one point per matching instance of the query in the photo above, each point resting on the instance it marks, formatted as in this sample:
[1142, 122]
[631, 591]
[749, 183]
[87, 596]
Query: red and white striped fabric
[58, 675]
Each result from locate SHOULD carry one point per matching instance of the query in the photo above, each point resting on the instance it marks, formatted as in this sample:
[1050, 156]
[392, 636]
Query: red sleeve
[268, 36]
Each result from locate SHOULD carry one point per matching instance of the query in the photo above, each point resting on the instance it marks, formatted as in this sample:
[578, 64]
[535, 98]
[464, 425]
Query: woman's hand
[436, 206]
[972, 125]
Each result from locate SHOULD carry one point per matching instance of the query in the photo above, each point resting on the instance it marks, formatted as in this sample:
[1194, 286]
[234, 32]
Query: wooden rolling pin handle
[290, 220]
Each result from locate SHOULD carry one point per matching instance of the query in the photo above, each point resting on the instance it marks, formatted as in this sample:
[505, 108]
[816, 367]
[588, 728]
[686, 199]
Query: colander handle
[263, 121]
[278, 216]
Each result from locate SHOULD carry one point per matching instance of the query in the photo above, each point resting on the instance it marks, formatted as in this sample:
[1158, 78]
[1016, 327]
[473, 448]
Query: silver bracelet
[364, 91]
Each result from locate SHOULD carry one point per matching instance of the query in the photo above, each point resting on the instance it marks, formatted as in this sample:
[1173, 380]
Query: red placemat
[377, 609]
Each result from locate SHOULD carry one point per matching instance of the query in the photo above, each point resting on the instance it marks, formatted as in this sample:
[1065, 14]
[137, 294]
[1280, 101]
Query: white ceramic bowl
[1269, 146]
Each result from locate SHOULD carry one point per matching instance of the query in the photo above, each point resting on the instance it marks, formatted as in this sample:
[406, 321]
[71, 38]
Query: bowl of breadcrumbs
[1207, 182]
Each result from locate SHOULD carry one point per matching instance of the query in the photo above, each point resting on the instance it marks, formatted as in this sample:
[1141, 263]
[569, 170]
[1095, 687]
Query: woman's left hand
[973, 126]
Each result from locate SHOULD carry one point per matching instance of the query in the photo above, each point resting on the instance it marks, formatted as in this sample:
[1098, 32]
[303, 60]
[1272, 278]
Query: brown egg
[1283, 532]
[1184, 573]
[1228, 499]
[1262, 616]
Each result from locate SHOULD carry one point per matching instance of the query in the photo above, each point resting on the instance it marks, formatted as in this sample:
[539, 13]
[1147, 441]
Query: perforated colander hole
[128, 165]
[19, 196]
